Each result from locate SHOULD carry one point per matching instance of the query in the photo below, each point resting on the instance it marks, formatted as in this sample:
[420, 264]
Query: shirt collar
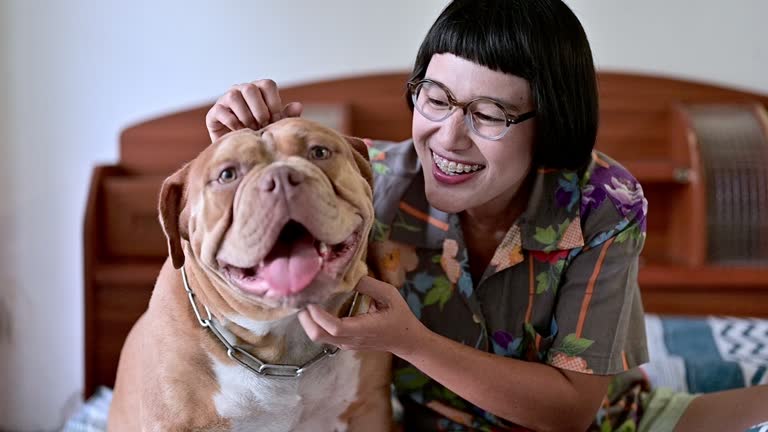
[550, 222]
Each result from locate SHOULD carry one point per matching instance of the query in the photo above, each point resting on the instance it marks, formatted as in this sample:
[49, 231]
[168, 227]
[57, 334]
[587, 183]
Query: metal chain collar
[245, 358]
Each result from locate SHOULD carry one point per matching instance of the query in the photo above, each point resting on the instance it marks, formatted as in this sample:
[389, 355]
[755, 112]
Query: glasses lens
[487, 118]
[431, 101]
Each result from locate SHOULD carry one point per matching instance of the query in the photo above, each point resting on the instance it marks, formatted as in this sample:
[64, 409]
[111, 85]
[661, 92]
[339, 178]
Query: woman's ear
[173, 216]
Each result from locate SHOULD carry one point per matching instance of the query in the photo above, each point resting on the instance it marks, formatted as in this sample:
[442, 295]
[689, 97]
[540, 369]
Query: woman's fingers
[253, 105]
[312, 329]
[293, 109]
[332, 325]
[221, 120]
[256, 105]
[379, 291]
[270, 96]
[235, 101]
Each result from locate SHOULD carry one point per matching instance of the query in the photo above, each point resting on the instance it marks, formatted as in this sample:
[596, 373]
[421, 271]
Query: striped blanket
[704, 355]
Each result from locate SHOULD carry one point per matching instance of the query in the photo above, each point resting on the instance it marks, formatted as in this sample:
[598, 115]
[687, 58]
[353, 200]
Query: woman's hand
[388, 326]
[251, 105]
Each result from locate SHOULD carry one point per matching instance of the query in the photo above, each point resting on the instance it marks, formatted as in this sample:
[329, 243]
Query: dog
[259, 225]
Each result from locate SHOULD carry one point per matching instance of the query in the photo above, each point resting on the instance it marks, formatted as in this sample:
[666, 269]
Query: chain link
[245, 358]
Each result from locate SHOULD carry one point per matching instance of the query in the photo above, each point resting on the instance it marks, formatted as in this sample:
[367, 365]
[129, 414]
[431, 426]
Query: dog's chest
[314, 402]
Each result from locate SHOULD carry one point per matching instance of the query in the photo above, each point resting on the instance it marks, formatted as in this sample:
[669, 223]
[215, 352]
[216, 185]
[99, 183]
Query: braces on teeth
[453, 168]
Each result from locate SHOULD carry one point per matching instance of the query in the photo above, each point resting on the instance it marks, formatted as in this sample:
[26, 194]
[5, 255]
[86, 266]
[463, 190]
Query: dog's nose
[281, 178]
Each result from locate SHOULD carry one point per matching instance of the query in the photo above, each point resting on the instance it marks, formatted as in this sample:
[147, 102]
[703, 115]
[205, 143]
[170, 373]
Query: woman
[507, 250]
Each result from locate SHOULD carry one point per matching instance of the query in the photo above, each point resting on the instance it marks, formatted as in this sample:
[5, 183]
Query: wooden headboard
[666, 131]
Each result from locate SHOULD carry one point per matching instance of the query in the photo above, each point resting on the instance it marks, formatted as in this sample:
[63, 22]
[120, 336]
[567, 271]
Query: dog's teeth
[324, 249]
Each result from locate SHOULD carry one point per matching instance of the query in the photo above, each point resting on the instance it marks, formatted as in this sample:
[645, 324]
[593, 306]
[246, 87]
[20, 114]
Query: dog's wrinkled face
[279, 217]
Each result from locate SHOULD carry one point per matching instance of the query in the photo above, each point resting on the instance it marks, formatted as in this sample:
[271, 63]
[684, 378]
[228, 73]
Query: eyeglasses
[485, 117]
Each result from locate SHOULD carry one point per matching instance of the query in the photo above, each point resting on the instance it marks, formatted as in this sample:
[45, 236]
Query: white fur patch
[311, 403]
[260, 328]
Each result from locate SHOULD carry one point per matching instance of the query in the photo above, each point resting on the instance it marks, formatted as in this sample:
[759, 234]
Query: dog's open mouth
[295, 261]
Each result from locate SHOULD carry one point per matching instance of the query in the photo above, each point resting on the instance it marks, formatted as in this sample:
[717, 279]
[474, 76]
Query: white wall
[74, 73]
[710, 40]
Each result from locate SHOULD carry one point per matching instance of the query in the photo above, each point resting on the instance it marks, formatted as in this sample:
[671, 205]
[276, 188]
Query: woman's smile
[451, 172]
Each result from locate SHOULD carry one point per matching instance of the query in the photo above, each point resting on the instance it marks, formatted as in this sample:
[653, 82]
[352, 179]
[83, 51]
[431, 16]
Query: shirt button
[476, 318]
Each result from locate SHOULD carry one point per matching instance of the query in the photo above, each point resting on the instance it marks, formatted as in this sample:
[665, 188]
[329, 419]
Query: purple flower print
[627, 194]
[617, 184]
[505, 344]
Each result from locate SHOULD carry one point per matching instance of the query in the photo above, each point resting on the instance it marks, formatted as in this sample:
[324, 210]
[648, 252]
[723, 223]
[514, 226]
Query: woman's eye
[485, 118]
[438, 103]
[319, 153]
[227, 175]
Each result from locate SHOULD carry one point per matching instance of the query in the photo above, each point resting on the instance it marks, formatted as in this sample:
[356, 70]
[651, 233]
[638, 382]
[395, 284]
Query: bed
[700, 151]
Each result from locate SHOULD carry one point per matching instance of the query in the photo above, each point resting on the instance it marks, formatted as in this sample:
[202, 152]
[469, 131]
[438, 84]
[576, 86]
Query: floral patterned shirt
[561, 288]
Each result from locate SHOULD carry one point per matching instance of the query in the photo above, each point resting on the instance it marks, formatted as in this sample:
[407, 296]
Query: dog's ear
[172, 214]
[361, 158]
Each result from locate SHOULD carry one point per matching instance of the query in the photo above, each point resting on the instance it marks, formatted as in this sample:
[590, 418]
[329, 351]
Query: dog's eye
[227, 175]
[319, 153]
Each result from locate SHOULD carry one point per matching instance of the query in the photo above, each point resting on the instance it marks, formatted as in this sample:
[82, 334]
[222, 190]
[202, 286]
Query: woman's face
[503, 164]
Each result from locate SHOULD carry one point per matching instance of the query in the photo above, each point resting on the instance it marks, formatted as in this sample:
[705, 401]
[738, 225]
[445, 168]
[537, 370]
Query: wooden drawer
[130, 227]
[115, 309]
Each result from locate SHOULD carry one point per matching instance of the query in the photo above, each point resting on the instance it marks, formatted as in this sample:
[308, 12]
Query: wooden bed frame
[648, 123]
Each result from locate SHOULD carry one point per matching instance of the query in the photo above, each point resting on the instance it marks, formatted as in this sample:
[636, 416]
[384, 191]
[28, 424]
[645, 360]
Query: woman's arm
[533, 395]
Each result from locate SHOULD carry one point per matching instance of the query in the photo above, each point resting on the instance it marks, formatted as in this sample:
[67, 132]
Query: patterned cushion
[762, 427]
[702, 355]
[92, 416]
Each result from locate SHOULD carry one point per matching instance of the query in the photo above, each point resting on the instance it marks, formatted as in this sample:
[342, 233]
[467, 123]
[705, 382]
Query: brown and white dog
[262, 224]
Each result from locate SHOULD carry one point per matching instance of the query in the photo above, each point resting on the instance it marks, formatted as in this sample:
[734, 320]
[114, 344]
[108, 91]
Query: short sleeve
[599, 312]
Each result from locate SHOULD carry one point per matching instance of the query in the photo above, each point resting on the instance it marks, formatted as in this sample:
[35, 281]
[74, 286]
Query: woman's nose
[454, 133]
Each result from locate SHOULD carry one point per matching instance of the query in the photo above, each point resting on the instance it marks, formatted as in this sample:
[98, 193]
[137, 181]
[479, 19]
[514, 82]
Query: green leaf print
[549, 236]
[631, 233]
[529, 331]
[627, 426]
[441, 292]
[400, 223]
[380, 168]
[410, 379]
[585, 178]
[542, 282]
[545, 236]
[380, 231]
[373, 153]
[527, 349]
[442, 393]
[573, 346]
[558, 268]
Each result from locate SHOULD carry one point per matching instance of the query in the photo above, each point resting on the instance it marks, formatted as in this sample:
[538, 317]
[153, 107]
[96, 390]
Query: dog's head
[278, 218]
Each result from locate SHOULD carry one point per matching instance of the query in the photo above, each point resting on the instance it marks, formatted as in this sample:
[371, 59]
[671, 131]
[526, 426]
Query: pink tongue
[289, 268]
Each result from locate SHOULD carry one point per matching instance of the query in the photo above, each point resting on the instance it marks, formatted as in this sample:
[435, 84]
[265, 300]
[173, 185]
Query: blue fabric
[92, 416]
[762, 427]
[692, 339]
[718, 353]
[759, 376]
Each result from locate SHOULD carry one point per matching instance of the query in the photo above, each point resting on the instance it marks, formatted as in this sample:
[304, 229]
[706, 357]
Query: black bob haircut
[541, 41]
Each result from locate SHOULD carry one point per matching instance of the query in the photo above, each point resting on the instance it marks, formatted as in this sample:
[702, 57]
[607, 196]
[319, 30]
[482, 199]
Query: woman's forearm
[533, 395]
